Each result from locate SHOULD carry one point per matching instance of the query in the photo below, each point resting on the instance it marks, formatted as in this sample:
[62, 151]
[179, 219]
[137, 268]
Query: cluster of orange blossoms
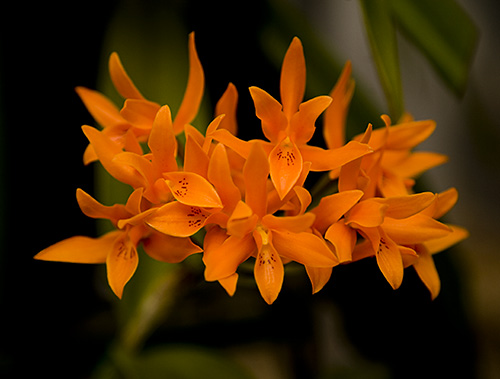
[249, 196]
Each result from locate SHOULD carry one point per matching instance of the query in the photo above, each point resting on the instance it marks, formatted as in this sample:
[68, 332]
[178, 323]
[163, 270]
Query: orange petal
[304, 248]
[218, 218]
[239, 146]
[444, 202]
[293, 78]
[142, 167]
[134, 202]
[227, 105]
[408, 254]
[415, 229]
[332, 207]
[169, 249]
[390, 262]
[302, 124]
[255, 174]
[370, 234]
[437, 245]
[193, 189]
[219, 174]
[162, 142]
[299, 203]
[121, 263]
[100, 107]
[195, 134]
[106, 150]
[294, 224]
[401, 137]
[80, 249]
[350, 174]
[194, 90]
[140, 112]
[222, 259]
[326, 160]
[211, 128]
[121, 80]
[268, 270]
[268, 110]
[363, 250]
[178, 220]
[367, 213]
[89, 155]
[392, 185]
[285, 163]
[406, 206]
[214, 237]
[343, 238]
[336, 114]
[408, 135]
[137, 219]
[426, 270]
[229, 283]
[275, 203]
[374, 171]
[242, 220]
[416, 163]
[92, 208]
[131, 142]
[195, 159]
[318, 277]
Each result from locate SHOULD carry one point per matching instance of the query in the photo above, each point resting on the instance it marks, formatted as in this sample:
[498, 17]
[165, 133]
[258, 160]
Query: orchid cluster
[247, 199]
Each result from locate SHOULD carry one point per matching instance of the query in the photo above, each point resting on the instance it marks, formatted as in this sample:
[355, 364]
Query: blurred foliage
[172, 361]
[381, 33]
[443, 32]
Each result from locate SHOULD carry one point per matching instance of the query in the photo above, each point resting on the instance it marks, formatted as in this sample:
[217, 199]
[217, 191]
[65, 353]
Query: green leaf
[180, 362]
[381, 34]
[444, 32]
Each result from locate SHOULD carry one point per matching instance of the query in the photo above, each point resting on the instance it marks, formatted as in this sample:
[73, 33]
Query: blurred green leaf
[180, 362]
[381, 34]
[148, 297]
[444, 32]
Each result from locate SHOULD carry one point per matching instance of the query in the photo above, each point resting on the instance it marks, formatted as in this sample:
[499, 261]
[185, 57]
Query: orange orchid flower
[137, 170]
[394, 163]
[127, 127]
[227, 106]
[390, 226]
[391, 168]
[196, 199]
[334, 118]
[424, 265]
[252, 231]
[118, 248]
[132, 124]
[290, 125]
[165, 209]
[249, 197]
